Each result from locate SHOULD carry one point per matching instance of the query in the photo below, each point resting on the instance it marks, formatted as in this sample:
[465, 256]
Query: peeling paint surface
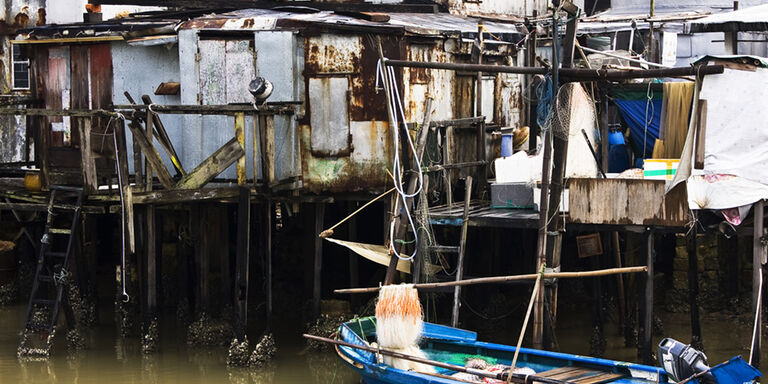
[365, 170]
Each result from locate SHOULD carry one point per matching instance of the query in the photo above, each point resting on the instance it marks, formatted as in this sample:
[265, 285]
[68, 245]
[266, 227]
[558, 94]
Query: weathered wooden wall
[627, 202]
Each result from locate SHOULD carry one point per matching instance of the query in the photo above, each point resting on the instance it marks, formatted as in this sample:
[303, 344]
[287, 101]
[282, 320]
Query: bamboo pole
[517, 378]
[525, 324]
[505, 279]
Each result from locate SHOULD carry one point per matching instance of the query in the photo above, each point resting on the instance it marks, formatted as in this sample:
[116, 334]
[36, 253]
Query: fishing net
[572, 110]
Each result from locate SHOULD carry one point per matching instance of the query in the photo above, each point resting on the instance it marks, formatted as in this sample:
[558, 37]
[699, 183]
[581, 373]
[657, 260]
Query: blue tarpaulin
[635, 114]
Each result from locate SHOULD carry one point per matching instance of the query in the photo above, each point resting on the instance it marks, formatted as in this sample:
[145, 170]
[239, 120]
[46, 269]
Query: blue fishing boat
[456, 346]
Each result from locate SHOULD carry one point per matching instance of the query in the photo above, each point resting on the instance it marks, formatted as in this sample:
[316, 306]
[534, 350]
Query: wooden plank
[601, 378]
[557, 371]
[87, 160]
[240, 136]
[701, 134]
[164, 139]
[212, 166]
[571, 374]
[184, 195]
[153, 158]
[79, 88]
[42, 154]
[241, 264]
[257, 122]
[148, 168]
[267, 136]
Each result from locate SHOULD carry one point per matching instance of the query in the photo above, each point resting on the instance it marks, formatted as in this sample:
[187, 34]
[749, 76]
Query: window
[19, 68]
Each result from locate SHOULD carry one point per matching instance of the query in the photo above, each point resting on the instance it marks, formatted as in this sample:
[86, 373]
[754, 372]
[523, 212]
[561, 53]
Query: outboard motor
[681, 361]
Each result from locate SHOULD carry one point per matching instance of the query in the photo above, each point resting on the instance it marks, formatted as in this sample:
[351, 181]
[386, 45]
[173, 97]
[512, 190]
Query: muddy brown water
[116, 361]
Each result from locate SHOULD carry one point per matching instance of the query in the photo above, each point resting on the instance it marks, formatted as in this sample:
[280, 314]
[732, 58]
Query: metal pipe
[570, 74]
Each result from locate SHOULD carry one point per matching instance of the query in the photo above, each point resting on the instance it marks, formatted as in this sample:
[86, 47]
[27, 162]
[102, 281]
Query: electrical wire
[398, 118]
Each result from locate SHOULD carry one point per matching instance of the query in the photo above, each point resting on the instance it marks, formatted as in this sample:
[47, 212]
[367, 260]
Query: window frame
[15, 61]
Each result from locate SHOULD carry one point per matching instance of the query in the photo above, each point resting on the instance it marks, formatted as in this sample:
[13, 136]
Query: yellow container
[33, 182]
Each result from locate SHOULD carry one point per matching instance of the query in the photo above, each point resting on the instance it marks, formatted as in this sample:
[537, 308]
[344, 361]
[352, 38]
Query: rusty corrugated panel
[627, 202]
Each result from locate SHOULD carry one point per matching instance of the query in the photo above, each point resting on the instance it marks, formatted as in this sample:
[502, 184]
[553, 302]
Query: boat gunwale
[571, 359]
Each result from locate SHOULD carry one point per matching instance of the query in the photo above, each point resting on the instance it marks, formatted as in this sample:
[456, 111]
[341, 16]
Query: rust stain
[41, 16]
[248, 23]
[21, 20]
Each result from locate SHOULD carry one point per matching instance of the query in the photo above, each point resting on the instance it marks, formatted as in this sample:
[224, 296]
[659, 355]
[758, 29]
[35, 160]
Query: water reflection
[119, 360]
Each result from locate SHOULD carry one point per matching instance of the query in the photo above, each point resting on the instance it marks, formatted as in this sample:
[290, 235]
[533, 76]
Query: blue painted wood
[440, 338]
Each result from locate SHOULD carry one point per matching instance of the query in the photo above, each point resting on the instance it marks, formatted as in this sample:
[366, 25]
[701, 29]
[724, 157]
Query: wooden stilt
[198, 220]
[619, 281]
[462, 252]
[241, 264]
[693, 287]
[317, 280]
[541, 245]
[268, 211]
[648, 303]
[151, 264]
[758, 254]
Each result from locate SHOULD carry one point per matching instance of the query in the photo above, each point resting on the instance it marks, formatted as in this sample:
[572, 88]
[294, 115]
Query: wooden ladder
[51, 275]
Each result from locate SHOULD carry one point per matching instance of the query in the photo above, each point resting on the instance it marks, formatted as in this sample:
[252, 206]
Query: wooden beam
[318, 262]
[212, 166]
[153, 158]
[267, 4]
[268, 258]
[184, 195]
[241, 264]
[163, 137]
[87, 161]
[267, 147]
[42, 154]
[646, 342]
[240, 136]
[693, 286]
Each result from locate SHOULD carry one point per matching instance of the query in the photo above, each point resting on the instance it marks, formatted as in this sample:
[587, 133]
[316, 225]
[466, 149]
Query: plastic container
[507, 145]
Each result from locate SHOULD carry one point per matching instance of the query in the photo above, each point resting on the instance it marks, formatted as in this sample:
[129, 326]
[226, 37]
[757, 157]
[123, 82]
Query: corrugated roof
[747, 19]
[414, 23]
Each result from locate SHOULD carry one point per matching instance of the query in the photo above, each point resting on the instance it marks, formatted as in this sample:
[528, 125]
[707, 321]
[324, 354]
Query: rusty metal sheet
[364, 170]
[329, 100]
[627, 202]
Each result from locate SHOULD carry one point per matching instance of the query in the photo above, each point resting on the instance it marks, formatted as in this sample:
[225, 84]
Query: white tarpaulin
[379, 254]
[737, 129]
[735, 144]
